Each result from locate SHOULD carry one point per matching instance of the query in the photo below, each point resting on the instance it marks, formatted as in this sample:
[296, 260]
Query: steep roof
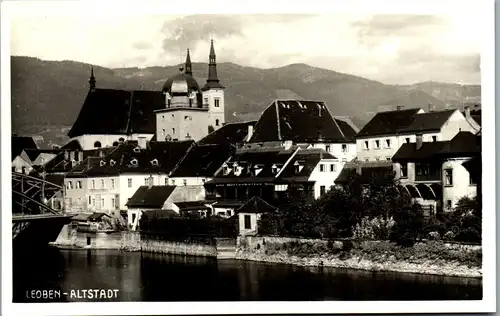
[202, 161]
[299, 121]
[158, 157]
[431, 121]
[388, 122]
[463, 144]
[154, 196]
[62, 164]
[256, 205]
[109, 111]
[230, 133]
[19, 143]
[346, 128]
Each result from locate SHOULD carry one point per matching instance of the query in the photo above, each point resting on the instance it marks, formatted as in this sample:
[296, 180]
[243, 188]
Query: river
[156, 277]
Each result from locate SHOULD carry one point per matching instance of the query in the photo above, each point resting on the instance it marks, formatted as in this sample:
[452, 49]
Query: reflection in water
[157, 277]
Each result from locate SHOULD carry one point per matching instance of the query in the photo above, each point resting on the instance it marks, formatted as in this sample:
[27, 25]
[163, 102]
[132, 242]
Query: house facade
[435, 174]
[382, 136]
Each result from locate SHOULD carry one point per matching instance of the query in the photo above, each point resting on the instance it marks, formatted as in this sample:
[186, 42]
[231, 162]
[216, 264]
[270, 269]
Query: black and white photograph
[186, 156]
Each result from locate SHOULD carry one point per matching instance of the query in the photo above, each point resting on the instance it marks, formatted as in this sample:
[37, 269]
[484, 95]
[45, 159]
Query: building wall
[224, 211]
[461, 182]
[337, 150]
[455, 124]
[182, 181]
[76, 200]
[138, 180]
[18, 163]
[87, 141]
[182, 124]
[253, 223]
[215, 113]
[189, 193]
[103, 196]
[325, 178]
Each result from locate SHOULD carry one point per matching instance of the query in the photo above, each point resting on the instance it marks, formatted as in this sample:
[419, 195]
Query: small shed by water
[249, 214]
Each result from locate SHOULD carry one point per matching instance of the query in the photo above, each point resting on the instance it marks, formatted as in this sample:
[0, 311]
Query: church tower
[213, 94]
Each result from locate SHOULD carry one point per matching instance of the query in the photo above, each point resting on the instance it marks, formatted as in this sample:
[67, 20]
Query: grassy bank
[426, 258]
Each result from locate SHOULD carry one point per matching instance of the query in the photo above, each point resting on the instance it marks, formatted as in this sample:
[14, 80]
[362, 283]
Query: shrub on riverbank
[380, 251]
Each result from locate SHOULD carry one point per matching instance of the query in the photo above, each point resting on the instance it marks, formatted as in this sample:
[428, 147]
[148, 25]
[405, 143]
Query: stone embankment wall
[279, 250]
[129, 241]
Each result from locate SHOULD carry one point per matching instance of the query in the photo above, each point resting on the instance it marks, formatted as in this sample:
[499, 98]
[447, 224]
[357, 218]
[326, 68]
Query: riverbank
[431, 258]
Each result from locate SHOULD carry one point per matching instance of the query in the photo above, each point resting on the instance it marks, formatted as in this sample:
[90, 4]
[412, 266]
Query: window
[327, 148]
[228, 213]
[173, 131]
[346, 149]
[163, 117]
[102, 202]
[129, 182]
[93, 201]
[367, 160]
[377, 144]
[90, 200]
[78, 184]
[407, 140]
[366, 145]
[434, 138]
[471, 180]
[173, 181]
[217, 122]
[448, 204]
[184, 182]
[248, 223]
[133, 217]
[322, 168]
[377, 158]
[70, 202]
[206, 100]
[188, 118]
[387, 143]
[121, 139]
[146, 181]
[97, 144]
[216, 102]
[404, 170]
[163, 132]
[68, 185]
[166, 181]
[388, 158]
[333, 167]
[93, 184]
[112, 202]
[448, 177]
[322, 190]
[102, 183]
[344, 160]
[112, 183]
[203, 180]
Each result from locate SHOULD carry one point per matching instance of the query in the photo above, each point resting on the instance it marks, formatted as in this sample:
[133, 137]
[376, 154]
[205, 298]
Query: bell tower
[213, 94]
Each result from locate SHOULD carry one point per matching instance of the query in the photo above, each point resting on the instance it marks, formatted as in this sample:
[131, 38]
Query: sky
[391, 48]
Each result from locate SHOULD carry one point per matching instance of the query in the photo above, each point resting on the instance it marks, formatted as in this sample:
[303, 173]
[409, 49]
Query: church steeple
[92, 79]
[189, 69]
[213, 80]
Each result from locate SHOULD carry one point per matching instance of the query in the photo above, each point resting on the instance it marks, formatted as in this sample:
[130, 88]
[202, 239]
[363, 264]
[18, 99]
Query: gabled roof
[158, 157]
[230, 133]
[109, 111]
[347, 129]
[299, 121]
[256, 205]
[19, 143]
[431, 121]
[388, 122]
[154, 196]
[202, 161]
[463, 144]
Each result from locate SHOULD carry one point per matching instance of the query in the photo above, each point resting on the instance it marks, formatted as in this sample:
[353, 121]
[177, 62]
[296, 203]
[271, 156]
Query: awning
[426, 192]
[413, 191]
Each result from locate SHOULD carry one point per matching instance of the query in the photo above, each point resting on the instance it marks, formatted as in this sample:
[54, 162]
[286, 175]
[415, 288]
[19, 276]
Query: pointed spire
[189, 70]
[92, 79]
[213, 80]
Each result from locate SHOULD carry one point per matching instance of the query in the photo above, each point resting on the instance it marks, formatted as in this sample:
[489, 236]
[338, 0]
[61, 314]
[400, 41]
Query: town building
[104, 184]
[181, 111]
[305, 123]
[250, 213]
[387, 131]
[271, 173]
[435, 173]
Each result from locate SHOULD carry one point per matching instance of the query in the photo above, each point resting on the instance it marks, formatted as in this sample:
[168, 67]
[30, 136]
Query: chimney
[80, 156]
[359, 168]
[467, 111]
[419, 141]
[142, 142]
[250, 132]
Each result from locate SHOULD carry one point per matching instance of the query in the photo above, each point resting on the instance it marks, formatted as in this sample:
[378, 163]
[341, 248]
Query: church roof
[110, 111]
[300, 121]
[181, 83]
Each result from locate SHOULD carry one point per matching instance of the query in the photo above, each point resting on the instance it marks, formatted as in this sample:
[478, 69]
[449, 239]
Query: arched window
[217, 122]
[115, 144]
[121, 139]
[97, 144]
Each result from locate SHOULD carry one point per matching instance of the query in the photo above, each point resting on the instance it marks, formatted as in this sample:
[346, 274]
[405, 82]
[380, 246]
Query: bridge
[34, 221]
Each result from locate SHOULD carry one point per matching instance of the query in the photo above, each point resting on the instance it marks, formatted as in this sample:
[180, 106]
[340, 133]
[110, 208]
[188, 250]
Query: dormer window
[387, 143]
[257, 169]
[134, 162]
[377, 144]
[102, 163]
[112, 162]
[366, 145]
[297, 167]
[137, 149]
[154, 162]
[344, 148]
[238, 170]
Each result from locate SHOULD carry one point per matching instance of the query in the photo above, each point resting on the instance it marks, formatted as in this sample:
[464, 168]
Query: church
[180, 111]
